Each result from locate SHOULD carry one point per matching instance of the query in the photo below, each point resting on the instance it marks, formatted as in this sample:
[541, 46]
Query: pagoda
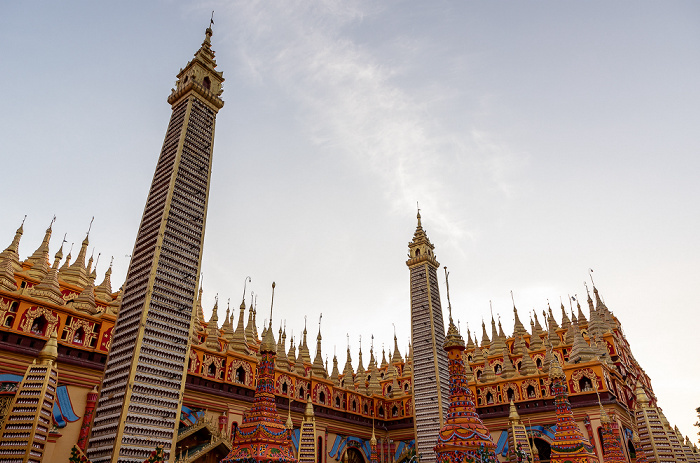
[463, 437]
[262, 437]
[569, 444]
[612, 451]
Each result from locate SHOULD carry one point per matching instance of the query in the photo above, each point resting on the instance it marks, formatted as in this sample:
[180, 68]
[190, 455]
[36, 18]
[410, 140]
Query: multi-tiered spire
[262, 436]
[569, 444]
[463, 437]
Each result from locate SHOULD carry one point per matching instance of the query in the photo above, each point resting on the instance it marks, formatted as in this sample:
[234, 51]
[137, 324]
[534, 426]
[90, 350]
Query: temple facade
[96, 374]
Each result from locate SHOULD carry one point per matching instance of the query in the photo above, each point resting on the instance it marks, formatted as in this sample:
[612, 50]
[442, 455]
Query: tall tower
[430, 370]
[26, 428]
[141, 393]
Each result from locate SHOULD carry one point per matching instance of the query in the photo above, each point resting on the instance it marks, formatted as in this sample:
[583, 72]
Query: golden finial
[319, 321]
[54, 219]
[348, 336]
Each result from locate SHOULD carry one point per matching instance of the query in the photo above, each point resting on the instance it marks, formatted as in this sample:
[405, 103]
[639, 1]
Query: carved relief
[194, 362]
[27, 325]
[317, 392]
[240, 372]
[281, 381]
[106, 340]
[213, 366]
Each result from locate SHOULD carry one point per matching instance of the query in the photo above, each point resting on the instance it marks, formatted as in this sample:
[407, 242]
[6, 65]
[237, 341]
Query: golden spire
[580, 351]
[487, 375]
[292, 354]
[48, 289]
[420, 249]
[535, 340]
[318, 369]
[527, 365]
[373, 439]
[240, 341]
[40, 259]
[12, 251]
[580, 316]
[360, 368]
[348, 372]
[335, 374]
[77, 273]
[508, 369]
[268, 342]
[485, 341]
[518, 327]
[66, 263]
[396, 358]
[309, 410]
[212, 340]
[470, 342]
[513, 416]
[200, 76]
[49, 353]
[7, 275]
[642, 397]
[227, 327]
[104, 290]
[289, 424]
[452, 338]
[555, 370]
[42, 252]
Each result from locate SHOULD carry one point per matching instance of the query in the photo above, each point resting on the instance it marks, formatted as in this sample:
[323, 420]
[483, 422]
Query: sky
[540, 139]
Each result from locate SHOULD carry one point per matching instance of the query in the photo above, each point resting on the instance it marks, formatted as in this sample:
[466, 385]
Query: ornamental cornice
[199, 89]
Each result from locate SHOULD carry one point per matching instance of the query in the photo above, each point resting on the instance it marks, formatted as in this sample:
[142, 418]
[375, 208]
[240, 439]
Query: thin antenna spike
[97, 261]
[245, 283]
[64, 238]
[272, 301]
[590, 274]
[89, 228]
[447, 282]
[25, 218]
[512, 298]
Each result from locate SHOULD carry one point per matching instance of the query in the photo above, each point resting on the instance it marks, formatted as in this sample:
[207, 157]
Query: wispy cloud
[352, 104]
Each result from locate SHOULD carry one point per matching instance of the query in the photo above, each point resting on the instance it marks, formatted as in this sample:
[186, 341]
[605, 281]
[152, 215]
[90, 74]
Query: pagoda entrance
[353, 455]
[543, 449]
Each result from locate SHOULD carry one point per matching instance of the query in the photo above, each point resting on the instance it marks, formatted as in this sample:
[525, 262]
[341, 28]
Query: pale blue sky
[541, 139]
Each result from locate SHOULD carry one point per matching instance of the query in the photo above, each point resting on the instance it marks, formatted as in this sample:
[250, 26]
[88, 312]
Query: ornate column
[87, 419]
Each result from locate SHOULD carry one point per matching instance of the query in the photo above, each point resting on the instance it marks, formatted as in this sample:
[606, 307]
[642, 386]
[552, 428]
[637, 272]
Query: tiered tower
[430, 382]
[307, 435]
[262, 436]
[464, 437]
[569, 444]
[25, 431]
[654, 441]
[140, 398]
[518, 442]
[612, 450]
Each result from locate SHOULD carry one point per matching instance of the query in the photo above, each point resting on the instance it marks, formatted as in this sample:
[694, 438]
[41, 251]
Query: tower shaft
[141, 393]
[430, 367]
